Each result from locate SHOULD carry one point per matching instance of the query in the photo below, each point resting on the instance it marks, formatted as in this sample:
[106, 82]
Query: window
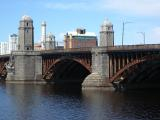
[26, 29]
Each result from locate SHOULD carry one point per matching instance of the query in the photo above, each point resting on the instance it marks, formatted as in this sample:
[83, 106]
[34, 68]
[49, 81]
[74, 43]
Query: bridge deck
[124, 48]
[146, 47]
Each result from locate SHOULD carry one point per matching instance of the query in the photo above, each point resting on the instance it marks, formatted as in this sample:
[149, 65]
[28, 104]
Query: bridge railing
[135, 47]
[5, 56]
[68, 50]
[88, 49]
[140, 47]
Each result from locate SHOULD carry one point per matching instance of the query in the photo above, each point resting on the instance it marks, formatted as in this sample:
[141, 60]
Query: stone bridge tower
[100, 58]
[106, 34]
[26, 34]
[26, 63]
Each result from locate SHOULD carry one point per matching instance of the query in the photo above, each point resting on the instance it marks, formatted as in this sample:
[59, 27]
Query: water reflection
[47, 102]
[24, 99]
[122, 106]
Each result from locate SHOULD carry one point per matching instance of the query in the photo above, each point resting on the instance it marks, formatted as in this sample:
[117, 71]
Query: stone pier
[100, 69]
[26, 66]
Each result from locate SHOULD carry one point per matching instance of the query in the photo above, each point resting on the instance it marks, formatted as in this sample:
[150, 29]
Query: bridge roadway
[146, 47]
[120, 65]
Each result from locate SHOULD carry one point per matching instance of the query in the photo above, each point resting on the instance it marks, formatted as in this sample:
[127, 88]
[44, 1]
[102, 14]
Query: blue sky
[66, 15]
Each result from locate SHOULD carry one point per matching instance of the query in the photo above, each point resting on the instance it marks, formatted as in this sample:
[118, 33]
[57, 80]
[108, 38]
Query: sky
[61, 16]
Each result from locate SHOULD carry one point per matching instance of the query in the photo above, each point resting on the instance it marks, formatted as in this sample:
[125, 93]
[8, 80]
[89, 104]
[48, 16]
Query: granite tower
[26, 34]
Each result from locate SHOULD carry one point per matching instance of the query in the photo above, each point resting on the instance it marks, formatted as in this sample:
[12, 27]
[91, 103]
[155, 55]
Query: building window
[27, 23]
[26, 30]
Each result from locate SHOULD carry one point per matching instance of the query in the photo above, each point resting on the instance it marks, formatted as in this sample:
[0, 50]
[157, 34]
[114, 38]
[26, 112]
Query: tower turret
[43, 34]
[107, 34]
[50, 42]
[26, 34]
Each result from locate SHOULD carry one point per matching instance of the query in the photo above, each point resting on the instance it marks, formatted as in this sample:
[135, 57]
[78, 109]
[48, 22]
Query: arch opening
[68, 72]
[145, 75]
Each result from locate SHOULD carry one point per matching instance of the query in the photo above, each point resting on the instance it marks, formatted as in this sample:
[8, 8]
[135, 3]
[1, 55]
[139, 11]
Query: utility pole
[124, 23]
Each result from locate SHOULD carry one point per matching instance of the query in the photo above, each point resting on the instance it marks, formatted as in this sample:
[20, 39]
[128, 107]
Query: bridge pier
[27, 67]
[100, 69]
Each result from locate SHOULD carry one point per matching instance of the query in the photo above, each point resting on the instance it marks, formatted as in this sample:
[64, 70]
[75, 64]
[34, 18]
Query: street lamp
[123, 30]
[144, 37]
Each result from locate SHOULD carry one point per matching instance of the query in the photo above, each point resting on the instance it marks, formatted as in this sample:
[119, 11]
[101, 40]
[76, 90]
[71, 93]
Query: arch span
[3, 71]
[140, 73]
[66, 71]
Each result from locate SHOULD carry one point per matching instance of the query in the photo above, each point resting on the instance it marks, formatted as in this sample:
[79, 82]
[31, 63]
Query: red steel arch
[3, 70]
[132, 63]
[84, 63]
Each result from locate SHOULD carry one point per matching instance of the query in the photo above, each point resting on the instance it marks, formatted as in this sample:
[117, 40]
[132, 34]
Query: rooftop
[106, 22]
[26, 18]
[81, 32]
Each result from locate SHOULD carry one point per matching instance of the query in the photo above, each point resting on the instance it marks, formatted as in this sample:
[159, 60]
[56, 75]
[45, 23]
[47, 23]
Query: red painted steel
[132, 63]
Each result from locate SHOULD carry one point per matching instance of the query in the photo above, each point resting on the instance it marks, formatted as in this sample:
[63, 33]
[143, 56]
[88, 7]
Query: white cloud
[129, 7]
[68, 6]
[137, 7]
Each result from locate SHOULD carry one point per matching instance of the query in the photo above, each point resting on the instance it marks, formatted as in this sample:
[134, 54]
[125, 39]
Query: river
[47, 102]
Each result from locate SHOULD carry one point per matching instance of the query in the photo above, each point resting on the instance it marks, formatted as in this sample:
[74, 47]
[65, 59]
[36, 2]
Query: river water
[46, 102]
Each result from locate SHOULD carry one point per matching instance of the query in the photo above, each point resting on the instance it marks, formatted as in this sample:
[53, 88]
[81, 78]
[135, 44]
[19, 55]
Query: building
[47, 40]
[4, 48]
[26, 34]
[11, 45]
[37, 47]
[106, 34]
[13, 42]
[50, 42]
[80, 39]
[43, 34]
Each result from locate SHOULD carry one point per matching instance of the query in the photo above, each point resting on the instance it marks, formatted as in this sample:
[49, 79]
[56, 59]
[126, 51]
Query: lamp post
[144, 37]
[124, 23]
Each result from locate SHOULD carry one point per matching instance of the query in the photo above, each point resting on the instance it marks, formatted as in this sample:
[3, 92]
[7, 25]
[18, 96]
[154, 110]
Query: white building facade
[11, 45]
[4, 48]
[13, 42]
[50, 42]
[47, 40]
[43, 34]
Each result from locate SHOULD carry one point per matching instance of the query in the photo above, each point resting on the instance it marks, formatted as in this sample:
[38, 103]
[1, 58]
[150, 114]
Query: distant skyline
[62, 16]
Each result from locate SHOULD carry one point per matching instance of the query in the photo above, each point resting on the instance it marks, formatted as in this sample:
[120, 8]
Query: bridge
[4, 59]
[66, 66]
[133, 66]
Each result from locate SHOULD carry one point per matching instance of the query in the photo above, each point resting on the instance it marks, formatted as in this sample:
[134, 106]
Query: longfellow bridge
[134, 66]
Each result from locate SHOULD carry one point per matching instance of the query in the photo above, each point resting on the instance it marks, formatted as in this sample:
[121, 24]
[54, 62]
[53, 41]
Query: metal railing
[135, 47]
[87, 49]
[143, 47]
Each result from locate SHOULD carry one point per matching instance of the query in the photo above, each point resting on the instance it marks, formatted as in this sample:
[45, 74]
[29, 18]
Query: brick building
[80, 39]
